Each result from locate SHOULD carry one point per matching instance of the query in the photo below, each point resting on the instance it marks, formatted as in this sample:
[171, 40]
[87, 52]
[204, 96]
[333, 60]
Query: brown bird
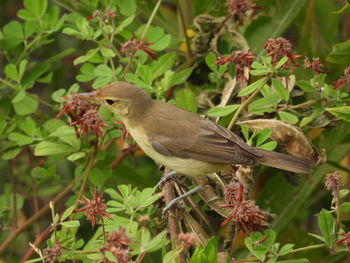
[183, 141]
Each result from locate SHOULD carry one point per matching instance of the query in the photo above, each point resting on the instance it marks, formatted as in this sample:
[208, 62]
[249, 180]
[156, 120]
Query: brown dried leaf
[288, 136]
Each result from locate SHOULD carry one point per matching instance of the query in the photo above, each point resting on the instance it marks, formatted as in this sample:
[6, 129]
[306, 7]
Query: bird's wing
[207, 142]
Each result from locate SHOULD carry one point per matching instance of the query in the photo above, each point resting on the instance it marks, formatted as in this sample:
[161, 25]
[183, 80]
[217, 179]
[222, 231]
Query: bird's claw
[170, 205]
[166, 177]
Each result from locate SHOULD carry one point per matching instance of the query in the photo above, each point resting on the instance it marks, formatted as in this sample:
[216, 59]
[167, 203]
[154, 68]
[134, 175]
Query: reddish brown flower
[279, 48]
[94, 208]
[187, 240]
[118, 245]
[51, 254]
[90, 122]
[84, 116]
[345, 240]
[333, 182]
[94, 14]
[105, 14]
[132, 45]
[241, 59]
[315, 65]
[344, 79]
[247, 215]
[238, 9]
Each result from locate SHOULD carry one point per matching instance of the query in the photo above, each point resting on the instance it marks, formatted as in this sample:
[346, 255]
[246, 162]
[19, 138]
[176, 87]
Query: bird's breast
[190, 167]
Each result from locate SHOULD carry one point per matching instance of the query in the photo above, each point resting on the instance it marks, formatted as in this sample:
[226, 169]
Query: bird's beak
[86, 95]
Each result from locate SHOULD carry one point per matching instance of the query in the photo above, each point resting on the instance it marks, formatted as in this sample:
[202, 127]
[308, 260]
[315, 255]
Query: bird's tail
[285, 162]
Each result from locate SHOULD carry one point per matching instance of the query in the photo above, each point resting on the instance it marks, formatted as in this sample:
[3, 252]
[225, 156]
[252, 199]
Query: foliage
[61, 154]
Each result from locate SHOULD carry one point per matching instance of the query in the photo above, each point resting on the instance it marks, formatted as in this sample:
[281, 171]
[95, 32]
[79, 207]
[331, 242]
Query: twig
[14, 199]
[244, 104]
[290, 252]
[301, 104]
[14, 234]
[39, 239]
[150, 19]
[183, 27]
[123, 155]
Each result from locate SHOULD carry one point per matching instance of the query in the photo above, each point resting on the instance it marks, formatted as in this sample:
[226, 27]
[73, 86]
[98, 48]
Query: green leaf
[263, 136]
[285, 249]
[345, 207]
[210, 60]
[162, 65]
[20, 139]
[289, 117]
[280, 89]
[51, 148]
[266, 101]
[11, 72]
[326, 224]
[222, 111]
[306, 120]
[22, 68]
[341, 112]
[106, 52]
[11, 153]
[186, 99]
[343, 193]
[26, 105]
[125, 23]
[12, 35]
[210, 250]
[300, 260]
[253, 87]
[306, 86]
[181, 76]
[28, 126]
[36, 7]
[86, 57]
[20, 95]
[126, 7]
[34, 260]
[281, 62]
[68, 212]
[73, 223]
[156, 242]
[76, 156]
[340, 53]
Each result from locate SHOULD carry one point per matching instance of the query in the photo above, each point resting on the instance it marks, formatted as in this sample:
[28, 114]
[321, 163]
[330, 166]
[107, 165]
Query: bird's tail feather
[285, 162]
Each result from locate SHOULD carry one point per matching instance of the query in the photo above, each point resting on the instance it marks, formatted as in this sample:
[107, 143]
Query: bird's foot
[165, 177]
[175, 201]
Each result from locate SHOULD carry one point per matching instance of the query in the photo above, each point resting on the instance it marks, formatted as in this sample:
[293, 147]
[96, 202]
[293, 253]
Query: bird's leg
[176, 200]
[165, 177]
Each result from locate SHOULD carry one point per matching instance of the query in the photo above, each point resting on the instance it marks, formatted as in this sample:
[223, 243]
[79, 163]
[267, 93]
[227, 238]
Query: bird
[182, 140]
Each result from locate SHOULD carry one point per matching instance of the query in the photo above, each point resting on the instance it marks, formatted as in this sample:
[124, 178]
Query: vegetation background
[54, 150]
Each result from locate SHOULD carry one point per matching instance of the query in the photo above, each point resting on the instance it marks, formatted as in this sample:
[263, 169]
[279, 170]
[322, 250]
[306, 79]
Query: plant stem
[150, 19]
[290, 252]
[244, 104]
[14, 234]
[302, 104]
[183, 27]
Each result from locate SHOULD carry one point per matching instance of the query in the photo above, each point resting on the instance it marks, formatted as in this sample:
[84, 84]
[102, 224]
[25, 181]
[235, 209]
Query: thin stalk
[150, 19]
[252, 259]
[15, 233]
[244, 104]
[302, 104]
[183, 27]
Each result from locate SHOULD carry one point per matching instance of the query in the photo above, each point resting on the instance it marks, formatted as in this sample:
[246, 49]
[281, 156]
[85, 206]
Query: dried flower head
[51, 254]
[118, 245]
[187, 240]
[242, 60]
[333, 182]
[238, 9]
[345, 240]
[343, 80]
[132, 45]
[84, 116]
[247, 215]
[90, 122]
[233, 193]
[315, 65]
[279, 48]
[94, 208]
[144, 219]
[105, 15]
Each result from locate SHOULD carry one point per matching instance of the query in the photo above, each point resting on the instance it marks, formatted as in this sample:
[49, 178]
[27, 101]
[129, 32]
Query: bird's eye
[109, 102]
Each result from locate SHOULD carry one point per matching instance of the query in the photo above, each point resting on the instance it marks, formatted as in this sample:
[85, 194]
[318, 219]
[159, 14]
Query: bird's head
[122, 98]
